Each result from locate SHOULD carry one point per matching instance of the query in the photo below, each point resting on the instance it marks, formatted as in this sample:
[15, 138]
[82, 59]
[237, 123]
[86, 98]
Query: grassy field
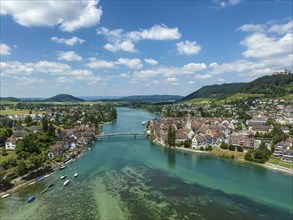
[17, 112]
[277, 161]
[198, 101]
[227, 153]
[11, 154]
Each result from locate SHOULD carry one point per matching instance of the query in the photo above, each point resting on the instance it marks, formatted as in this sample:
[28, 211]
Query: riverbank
[239, 158]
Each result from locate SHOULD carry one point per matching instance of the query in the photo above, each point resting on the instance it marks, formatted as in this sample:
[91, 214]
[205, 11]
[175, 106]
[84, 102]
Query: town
[46, 136]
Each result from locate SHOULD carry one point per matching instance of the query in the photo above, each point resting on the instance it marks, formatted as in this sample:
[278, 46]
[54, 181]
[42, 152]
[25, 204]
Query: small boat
[5, 196]
[63, 177]
[66, 182]
[62, 167]
[89, 148]
[30, 199]
[143, 123]
[51, 184]
[32, 183]
[76, 174]
[41, 179]
[45, 190]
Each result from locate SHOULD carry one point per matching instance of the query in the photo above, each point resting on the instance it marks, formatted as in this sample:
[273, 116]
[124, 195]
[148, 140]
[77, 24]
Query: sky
[121, 48]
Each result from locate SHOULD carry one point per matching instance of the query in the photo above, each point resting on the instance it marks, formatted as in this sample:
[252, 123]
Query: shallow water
[133, 179]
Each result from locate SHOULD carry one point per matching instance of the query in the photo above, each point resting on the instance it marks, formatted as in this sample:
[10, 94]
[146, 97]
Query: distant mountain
[10, 99]
[97, 98]
[278, 84]
[153, 98]
[63, 98]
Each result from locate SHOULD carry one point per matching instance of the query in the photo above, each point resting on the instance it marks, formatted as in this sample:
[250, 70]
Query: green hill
[10, 99]
[63, 98]
[278, 84]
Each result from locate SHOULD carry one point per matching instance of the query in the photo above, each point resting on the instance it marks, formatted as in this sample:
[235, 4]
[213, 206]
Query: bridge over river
[121, 135]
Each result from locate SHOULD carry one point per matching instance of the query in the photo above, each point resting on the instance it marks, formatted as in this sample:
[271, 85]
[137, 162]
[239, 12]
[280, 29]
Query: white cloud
[126, 46]
[69, 15]
[25, 81]
[188, 48]
[151, 61]
[124, 75]
[46, 67]
[117, 40]
[203, 76]
[172, 79]
[282, 28]
[251, 27]
[157, 32]
[193, 67]
[225, 3]
[69, 42]
[260, 45]
[4, 49]
[68, 56]
[100, 64]
[130, 63]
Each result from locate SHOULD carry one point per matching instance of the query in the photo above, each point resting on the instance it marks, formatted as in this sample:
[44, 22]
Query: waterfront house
[11, 143]
[287, 155]
[242, 139]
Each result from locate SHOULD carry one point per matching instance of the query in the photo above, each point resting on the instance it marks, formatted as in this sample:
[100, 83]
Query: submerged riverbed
[133, 179]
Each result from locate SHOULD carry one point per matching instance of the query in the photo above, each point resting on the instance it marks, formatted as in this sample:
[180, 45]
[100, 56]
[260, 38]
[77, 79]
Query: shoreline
[268, 166]
[54, 168]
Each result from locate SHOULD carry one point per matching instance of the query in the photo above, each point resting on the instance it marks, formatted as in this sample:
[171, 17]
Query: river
[133, 179]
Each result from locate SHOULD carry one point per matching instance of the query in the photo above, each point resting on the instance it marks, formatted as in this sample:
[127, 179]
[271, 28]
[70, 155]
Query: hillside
[152, 98]
[278, 84]
[63, 98]
[10, 99]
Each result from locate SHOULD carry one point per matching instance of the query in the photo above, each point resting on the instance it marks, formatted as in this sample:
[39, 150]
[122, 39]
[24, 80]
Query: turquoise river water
[133, 179]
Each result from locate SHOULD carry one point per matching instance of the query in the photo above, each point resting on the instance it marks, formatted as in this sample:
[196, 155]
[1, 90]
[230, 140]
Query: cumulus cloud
[68, 15]
[188, 48]
[25, 81]
[193, 67]
[120, 41]
[68, 56]
[203, 76]
[126, 46]
[151, 61]
[251, 27]
[69, 42]
[282, 28]
[130, 63]
[46, 67]
[157, 32]
[260, 45]
[100, 64]
[172, 79]
[4, 49]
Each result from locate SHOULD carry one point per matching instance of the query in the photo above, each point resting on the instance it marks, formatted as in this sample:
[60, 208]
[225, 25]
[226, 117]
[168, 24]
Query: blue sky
[118, 48]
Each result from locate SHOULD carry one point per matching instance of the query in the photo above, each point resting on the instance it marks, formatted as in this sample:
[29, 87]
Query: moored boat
[30, 199]
[143, 123]
[45, 190]
[32, 183]
[63, 177]
[51, 184]
[76, 174]
[62, 167]
[66, 182]
[5, 196]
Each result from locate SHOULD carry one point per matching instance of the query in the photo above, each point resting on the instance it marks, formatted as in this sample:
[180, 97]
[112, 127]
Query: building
[11, 143]
[243, 139]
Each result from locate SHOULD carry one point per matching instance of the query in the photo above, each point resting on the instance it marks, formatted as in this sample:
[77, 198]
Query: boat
[63, 177]
[30, 199]
[89, 148]
[51, 184]
[66, 182]
[45, 190]
[62, 167]
[76, 174]
[143, 123]
[41, 179]
[32, 183]
[5, 196]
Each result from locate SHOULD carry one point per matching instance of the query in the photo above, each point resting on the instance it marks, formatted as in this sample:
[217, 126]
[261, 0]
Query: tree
[171, 136]
[51, 130]
[188, 143]
[28, 119]
[4, 152]
[21, 168]
[224, 145]
[45, 125]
